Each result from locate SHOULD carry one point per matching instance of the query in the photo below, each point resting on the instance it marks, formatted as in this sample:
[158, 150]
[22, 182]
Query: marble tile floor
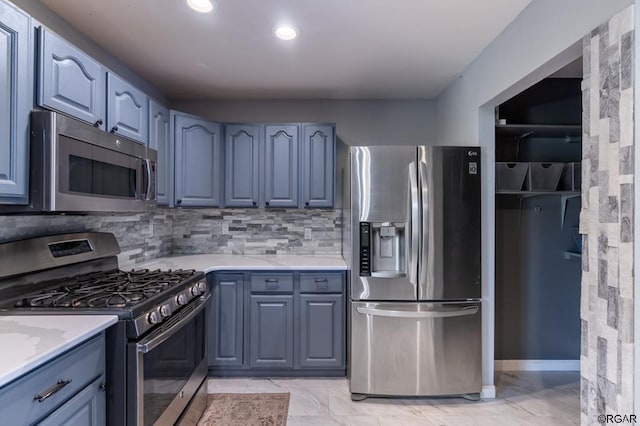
[523, 399]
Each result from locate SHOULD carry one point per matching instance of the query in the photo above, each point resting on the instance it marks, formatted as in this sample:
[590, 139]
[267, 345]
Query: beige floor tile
[309, 402]
[404, 421]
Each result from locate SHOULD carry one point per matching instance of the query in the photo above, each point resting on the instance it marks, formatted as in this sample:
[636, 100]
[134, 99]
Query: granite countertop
[32, 340]
[234, 262]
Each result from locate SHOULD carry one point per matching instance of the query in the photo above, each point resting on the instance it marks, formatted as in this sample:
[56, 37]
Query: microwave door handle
[147, 165]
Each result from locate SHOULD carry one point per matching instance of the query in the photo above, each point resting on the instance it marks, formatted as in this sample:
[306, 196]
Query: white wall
[365, 122]
[49, 19]
[544, 37]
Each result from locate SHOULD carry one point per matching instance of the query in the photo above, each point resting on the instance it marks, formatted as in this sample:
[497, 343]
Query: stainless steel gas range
[156, 353]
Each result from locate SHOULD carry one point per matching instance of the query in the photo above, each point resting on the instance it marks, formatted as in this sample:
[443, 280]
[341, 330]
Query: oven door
[167, 367]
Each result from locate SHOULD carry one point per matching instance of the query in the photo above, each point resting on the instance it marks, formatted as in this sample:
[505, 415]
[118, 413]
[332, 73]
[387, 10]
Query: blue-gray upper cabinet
[69, 80]
[160, 140]
[198, 174]
[318, 165]
[16, 100]
[242, 145]
[127, 110]
[281, 165]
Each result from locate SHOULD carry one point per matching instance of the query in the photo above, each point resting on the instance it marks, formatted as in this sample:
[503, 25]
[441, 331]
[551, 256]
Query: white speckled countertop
[234, 262]
[29, 341]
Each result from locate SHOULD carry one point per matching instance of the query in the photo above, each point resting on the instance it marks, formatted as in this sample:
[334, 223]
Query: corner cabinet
[160, 140]
[198, 174]
[70, 81]
[16, 99]
[127, 110]
[281, 165]
[318, 165]
[277, 322]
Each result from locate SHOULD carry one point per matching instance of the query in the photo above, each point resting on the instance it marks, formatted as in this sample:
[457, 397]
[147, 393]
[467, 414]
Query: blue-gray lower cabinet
[226, 325]
[67, 390]
[322, 330]
[87, 408]
[16, 100]
[271, 331]
[198, 162]
[277, 323]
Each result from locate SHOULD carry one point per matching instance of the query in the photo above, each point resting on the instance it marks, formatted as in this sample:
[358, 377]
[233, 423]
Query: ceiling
[347, 49]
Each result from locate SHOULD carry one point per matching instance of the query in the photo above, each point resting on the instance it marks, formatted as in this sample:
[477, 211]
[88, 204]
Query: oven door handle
[153, 342]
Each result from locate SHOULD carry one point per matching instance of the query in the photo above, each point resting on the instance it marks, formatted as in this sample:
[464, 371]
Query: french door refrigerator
[412, 244]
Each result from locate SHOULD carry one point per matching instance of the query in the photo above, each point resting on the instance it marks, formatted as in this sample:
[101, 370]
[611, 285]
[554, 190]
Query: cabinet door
[318, 152]
[70, 81]
[87, 408]
[226, 331]
[16, 100]
[281, 166]
[197, 156]
[271, 331]
[159, 138]
[320, 335]
[242, 143]
[127, 110]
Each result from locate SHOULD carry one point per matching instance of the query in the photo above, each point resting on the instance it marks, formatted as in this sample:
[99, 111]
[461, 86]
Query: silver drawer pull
[272, 283]
[52, 390]
[322, 283]
[271, 280]
[321, 280]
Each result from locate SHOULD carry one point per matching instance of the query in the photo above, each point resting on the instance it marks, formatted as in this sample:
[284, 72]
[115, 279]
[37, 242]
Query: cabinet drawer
[271, 283]
[321, 283]
[80, 366]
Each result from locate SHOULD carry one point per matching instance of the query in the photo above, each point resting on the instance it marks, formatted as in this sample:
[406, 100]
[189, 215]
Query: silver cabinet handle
[436, 313]
[41, 397]
[414, 224]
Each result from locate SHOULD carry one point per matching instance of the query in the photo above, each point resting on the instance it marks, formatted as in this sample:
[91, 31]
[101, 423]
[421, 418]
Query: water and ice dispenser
[382, 249]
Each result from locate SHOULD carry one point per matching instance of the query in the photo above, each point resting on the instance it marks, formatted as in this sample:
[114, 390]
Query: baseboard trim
[488, 392]
[537, 365]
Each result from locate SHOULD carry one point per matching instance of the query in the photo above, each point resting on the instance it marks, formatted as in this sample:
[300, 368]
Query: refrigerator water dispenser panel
[382, 249]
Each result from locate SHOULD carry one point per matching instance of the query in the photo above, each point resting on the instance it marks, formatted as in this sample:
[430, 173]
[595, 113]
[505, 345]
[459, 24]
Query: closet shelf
[572, 132]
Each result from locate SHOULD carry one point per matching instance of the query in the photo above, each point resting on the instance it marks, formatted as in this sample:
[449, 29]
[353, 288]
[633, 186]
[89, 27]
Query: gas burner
[112, 289]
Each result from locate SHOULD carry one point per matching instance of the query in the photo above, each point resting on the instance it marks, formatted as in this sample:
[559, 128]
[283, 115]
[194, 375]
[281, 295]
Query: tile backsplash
[145, 236]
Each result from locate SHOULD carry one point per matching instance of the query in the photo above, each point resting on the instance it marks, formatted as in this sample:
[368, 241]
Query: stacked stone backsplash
[142, 236]
[607, 301]
[256, 231]
[145, 236]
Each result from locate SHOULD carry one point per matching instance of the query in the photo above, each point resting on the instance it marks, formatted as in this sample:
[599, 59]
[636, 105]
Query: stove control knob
[181, 299]
[195, 291]
[203, 287]
[153, 318]
[165, 311]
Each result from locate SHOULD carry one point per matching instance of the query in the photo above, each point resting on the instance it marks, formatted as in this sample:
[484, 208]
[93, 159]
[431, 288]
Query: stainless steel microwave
[75, 167]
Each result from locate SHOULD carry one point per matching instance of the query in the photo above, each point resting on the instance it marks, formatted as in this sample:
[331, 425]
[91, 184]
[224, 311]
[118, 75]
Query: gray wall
[54, 22]
[542, 39]
[365, 122]
[537, 289]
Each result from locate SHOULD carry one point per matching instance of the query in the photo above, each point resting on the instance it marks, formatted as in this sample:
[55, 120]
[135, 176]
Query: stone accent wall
[145, 236]
[142, 236]
[606, 361]
[256, 231]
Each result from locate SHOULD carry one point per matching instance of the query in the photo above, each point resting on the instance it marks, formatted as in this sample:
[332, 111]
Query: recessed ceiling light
[285, 32]
[202, 6]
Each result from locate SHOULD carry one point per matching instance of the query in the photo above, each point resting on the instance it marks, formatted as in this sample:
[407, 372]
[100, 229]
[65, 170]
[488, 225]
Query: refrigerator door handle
[426, 263]
[433, 313]
[414, 224]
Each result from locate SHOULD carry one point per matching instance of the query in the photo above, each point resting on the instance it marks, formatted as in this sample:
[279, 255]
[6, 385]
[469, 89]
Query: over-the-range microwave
[75, 167]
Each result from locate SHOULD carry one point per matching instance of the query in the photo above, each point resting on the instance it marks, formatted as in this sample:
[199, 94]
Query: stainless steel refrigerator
[412, 243]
